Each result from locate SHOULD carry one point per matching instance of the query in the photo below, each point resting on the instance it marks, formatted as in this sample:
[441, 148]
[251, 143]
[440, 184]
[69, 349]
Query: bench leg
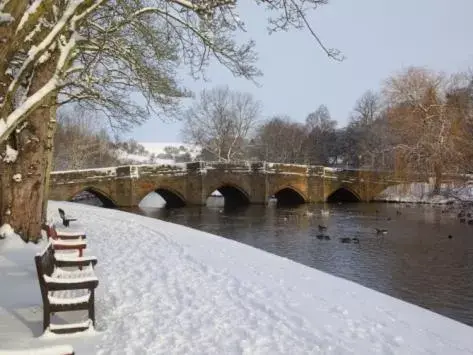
[80, 255]
[92, 307]
[46, 317]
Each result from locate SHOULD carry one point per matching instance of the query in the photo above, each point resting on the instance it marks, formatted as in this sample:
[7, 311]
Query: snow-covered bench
[65, 290]
[62, 240]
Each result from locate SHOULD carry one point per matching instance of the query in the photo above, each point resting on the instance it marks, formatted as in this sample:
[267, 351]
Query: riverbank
[165, 288]
[423, 193]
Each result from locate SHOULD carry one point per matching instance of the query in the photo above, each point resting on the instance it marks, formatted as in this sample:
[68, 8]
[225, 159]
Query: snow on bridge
[239, 182]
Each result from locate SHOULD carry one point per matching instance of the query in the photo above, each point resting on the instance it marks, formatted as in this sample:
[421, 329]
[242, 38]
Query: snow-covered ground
[422, 193]
[168, 289]
[154, 149]
[158, 147]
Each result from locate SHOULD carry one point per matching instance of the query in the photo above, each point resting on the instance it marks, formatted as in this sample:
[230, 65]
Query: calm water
[415, 261]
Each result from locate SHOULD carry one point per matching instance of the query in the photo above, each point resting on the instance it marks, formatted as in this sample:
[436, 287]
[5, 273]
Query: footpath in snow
[168, 289]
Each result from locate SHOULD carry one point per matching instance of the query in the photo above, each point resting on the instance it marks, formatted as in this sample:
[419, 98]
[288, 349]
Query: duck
[345, 240]
[320, 236]
[470, 222]
[381, 231]
[462, 220]
[450, 236]
[322, 228]
[326, 237]
[356, 240]
[461, 214]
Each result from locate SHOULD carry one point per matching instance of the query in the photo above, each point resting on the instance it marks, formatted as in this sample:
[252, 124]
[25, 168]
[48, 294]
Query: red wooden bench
[63, 289]
[66, 240]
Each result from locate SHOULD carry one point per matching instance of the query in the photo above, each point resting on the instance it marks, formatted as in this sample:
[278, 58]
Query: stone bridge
[240, 183]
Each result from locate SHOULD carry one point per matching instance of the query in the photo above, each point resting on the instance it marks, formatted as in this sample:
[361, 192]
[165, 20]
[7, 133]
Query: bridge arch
[172, 197]
[233, 194]
[289, 195]
[343, 194]
[102, 196]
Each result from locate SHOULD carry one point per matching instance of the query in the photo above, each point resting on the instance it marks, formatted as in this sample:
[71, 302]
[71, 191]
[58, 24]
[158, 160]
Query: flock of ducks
[323, 229]
[463, 216]
[355, 240]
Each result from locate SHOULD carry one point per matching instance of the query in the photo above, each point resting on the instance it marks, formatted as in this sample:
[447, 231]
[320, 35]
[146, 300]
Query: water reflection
[414, 261]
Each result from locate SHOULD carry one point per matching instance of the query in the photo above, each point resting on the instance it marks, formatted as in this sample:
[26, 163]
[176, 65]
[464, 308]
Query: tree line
[420, 121]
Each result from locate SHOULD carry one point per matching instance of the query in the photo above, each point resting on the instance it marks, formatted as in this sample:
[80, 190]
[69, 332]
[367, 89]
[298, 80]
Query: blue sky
[378, 38]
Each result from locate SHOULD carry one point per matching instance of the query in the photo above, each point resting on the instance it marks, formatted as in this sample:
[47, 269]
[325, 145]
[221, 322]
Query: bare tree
[220, 121]
[279, 140]
[367, 131]
[82, 142]
[321, 139]
[367, 108]
[427, 114]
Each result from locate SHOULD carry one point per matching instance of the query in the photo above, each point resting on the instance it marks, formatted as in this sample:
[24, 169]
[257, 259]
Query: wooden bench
[65, 290]
[65, 220]
[65, 240]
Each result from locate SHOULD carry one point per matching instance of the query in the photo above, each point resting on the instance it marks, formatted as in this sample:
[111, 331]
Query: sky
[377, 37]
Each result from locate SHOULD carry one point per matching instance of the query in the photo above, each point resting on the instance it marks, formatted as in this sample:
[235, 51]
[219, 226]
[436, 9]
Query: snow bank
[168, 289]
[423, 193]
[7, 231]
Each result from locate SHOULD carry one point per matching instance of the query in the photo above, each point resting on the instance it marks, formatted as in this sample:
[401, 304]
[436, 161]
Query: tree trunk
[23, 181]
[50, 154]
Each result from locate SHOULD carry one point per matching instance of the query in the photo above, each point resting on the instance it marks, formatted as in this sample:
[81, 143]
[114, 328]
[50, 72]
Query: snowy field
[158, 147]
[168, 289]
